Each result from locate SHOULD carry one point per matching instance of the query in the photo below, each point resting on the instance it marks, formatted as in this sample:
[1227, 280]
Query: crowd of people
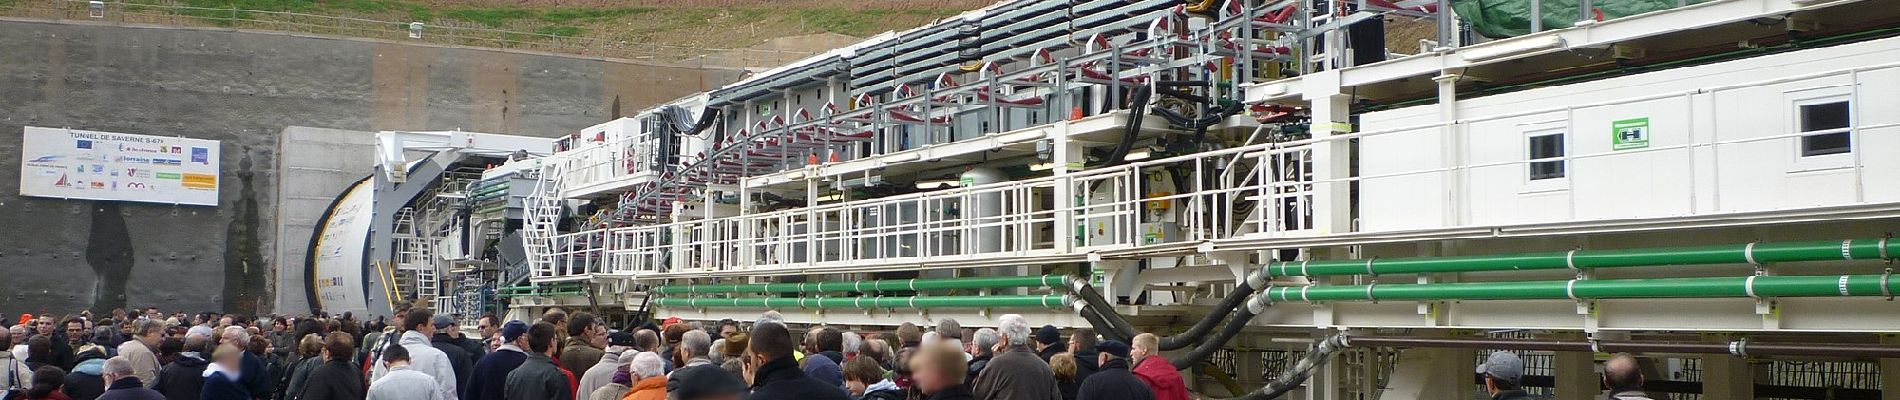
[147, 355]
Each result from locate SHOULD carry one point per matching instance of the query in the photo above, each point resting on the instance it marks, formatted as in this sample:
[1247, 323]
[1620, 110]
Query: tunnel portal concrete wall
[244, 88]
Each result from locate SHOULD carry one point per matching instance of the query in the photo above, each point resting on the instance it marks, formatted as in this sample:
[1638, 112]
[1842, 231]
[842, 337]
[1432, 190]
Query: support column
[1726, 377]
[1576, 375]
[1890, 372]
[1432, 373]
[1332, 198]
[1451, 149]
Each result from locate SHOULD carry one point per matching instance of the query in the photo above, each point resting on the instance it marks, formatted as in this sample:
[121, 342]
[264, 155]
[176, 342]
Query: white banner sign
[76, 164]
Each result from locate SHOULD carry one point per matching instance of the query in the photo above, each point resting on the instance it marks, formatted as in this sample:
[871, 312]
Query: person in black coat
[489, 375]
[337, 378]
[1113, 380]
[87, 379]
[776, 376]
[125, 385]
[1087, 360]
[539, 378]
[459, 359]
[184, 378]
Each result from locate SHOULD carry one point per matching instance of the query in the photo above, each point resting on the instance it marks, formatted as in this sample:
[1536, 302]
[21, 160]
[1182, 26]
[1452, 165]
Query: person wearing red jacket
[1155, 370]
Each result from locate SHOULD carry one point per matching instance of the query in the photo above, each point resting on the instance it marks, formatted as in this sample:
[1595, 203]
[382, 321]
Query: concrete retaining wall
[244, 88]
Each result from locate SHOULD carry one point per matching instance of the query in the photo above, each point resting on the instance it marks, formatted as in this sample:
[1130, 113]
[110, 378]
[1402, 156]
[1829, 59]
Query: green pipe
[1048, 301]
[1753, 253]
[1758, 286]
[991, 282]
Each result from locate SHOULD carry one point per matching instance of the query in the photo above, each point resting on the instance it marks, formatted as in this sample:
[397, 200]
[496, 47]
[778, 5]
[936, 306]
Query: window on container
[1824, 128]
[1547, 153]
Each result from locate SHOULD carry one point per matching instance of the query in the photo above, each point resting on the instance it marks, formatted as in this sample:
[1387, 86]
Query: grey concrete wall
[244, 88]
[314, 165]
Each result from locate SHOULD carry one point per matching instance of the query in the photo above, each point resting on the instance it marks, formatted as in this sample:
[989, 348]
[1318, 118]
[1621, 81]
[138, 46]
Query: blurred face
[727, 331]
[18, 334]
[45, 326]
[928, 377]
[1137, 354]
[226, 321]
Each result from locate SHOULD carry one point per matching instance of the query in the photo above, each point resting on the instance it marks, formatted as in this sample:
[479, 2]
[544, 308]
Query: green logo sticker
[169, 175]
[1629, 134]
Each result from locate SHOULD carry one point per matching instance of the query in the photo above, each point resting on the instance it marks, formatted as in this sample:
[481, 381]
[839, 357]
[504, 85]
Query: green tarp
[1507, 18]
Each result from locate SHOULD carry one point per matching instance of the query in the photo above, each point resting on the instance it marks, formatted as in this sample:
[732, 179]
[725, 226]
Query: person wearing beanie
[1048, 342]
[1113, 380]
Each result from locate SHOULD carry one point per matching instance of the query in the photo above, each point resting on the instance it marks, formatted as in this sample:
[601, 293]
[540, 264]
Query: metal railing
[437, 32]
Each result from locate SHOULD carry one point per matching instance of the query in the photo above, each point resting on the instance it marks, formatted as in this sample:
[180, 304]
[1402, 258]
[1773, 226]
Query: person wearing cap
[704, 382]
[539, 378]
[1503, 376]
[1112, 379]
[1624, 376]
[602, 373]
[649, 377]
[1048, 342]
[418, 327]
[485, 381]
[460, 360]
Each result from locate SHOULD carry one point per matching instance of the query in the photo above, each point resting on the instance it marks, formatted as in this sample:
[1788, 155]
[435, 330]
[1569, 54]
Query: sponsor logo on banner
[98, 169]
[98, 185]
[166, 161]
[201, 155]
[168, 175]
[137, 186]
[62, 182]
[200, 181]
[51, 161]
[83, 144]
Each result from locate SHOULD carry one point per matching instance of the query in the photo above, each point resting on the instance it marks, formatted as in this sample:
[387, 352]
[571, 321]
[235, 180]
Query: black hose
[1294, 377]
[1102, 327]
[1137, 105]
[1207, 323]
[1219, 341]
[1112, 321]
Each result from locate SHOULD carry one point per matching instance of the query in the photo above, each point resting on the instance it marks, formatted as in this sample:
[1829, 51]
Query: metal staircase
[541, 218]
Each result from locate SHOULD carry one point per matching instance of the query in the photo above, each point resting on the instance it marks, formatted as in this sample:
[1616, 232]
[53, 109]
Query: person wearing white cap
[1503, 376]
